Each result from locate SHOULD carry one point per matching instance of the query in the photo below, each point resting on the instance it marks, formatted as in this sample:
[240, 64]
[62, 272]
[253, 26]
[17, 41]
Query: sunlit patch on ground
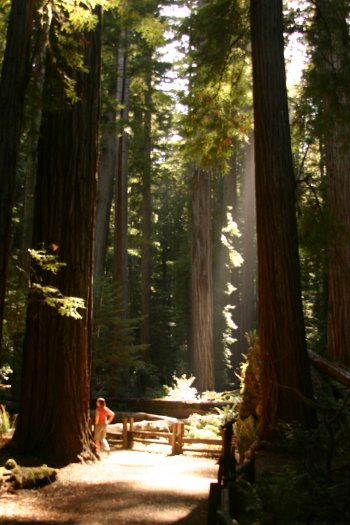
[128, 487]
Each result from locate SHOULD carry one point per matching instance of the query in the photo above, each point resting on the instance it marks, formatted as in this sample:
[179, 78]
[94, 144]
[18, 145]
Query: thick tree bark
[285, 376]
[332, 58]
[202, 282]
[14, 80]
[53, 422]
[338, 198]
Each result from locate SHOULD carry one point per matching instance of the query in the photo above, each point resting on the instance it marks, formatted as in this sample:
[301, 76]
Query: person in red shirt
[103, 416]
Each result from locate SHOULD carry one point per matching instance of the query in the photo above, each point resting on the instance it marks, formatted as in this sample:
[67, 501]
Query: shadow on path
[127, 488]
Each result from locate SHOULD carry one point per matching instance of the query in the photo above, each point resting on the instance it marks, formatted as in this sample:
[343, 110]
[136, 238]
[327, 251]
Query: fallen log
[333, 370]
[140, 416]
[174, 408]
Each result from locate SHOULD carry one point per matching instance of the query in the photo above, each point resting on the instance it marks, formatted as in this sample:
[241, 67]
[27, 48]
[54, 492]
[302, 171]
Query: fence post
[172, 439]
[130, 433]
[125, 431]
[179, 430]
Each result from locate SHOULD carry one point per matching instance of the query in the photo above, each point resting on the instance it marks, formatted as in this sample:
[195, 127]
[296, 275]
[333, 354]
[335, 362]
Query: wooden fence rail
[174, 437]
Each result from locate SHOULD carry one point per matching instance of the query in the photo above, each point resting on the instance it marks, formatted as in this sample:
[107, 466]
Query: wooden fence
[172, 435]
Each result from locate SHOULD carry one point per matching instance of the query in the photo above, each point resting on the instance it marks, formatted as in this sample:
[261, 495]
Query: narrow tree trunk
[105, 188]
[31, 145]
[247, 320]
[146, 253]
[285, 376]
[53, 422]
[225, 304]
[14, 80]
[121, 209]
[202, 285]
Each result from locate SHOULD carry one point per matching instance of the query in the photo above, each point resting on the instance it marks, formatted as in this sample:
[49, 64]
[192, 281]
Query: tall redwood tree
[14, 79]
[202, 356]
[330, 32]
[285, 375]
[53, 422]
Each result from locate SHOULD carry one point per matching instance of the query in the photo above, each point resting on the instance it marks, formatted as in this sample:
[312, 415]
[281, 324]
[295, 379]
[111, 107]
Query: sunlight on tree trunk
[202, 283]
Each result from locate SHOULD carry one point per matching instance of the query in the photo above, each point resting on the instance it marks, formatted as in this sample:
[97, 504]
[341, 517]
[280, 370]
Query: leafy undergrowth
[304, 477]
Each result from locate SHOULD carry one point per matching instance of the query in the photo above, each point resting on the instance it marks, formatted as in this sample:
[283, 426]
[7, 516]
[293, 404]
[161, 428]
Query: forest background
[153, 271]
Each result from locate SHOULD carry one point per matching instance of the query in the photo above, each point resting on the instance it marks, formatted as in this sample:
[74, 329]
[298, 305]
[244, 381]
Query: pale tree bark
[246, 315]
[53, 421]
[223, 276]
[121, 209]
[146, 251]
[286, 383]
[14, 80]
[202, 365]
[105, 187]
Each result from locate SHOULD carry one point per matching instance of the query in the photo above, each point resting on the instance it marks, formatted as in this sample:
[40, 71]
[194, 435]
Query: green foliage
[76, 16]
[203, 426]
[29, 477]
[219, 95]
[46, 260]
[250, 379]
[306, 479]
[145, 382]
[219, 34]
[4, 10]
[209, 425]
[4, 420]
[5, 372]
[229, 234]
[115, 356]
[246, 432]
[182, 389]
[65, 305]
[246, 426]
[69, 20]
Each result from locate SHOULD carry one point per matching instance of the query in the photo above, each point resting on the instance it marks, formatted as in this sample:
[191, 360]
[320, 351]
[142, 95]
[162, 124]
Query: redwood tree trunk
[105, 187]
[121, 208]
[285, 375]
[53, 422]
[332, 59]
[146, 252]
[14, 80]
[202, 283]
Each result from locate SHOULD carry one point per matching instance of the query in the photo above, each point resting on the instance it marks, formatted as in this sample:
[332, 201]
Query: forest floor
[129, 487]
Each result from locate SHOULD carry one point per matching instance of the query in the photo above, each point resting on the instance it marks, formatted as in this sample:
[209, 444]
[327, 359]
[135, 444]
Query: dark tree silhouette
[14, 80]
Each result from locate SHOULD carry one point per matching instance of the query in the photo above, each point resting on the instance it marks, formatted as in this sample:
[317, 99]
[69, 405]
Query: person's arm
[97, 414]
[110, 416]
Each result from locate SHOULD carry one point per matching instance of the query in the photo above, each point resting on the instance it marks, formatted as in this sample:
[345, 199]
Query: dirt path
[126, 488]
